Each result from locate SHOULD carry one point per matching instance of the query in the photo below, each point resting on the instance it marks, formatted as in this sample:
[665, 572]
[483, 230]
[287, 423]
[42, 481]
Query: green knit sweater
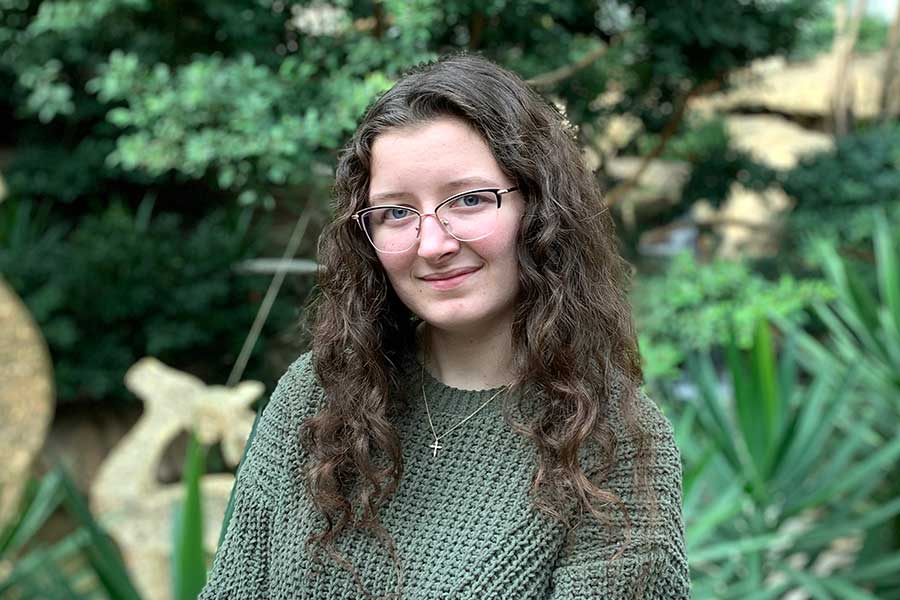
[463, 523]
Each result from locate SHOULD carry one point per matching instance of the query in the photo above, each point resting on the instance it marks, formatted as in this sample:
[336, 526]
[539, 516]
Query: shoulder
[639, 425]
[274, 438]
[659, 431]
[646, 447]
[653, 562]
[297, 394]
[641, 464]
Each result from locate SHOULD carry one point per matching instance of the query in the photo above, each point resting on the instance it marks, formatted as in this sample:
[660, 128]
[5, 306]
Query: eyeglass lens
[468, 217]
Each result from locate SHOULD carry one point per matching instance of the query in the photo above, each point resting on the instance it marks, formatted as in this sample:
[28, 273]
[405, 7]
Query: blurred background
[165, 168]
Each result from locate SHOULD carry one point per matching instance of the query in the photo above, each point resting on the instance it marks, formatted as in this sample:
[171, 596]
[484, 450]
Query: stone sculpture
[126, 496]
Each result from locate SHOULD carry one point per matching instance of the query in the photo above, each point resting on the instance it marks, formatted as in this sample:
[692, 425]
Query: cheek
[393, 264]
[397, 268]
[501, 248]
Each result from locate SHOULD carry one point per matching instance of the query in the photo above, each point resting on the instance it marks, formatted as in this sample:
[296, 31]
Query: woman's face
[420, 167]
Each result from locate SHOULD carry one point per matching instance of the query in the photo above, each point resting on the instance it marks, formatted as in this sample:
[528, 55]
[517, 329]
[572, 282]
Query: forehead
[431, 158]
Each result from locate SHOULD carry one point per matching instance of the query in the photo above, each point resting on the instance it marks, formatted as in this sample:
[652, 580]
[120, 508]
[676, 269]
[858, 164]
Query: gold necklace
[435, 446]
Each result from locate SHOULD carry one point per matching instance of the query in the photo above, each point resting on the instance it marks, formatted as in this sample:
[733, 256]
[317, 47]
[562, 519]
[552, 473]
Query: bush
[706, 144]
[253, 98]
[817, 36]
[832, 189]
[864, 323]
[691, 306]
[121, 286]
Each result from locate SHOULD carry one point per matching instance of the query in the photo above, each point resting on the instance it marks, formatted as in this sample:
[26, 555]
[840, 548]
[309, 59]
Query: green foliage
[86, 563]
[705, 144]
[691, 306]
[863, 169]
[817, 36]
[121, 286]
[188, 556]
[242, 118]
[71, 176]
[777, 472]
[255, 97]
[713, 38]
[832, 188]
[78, 566]
[864, 326]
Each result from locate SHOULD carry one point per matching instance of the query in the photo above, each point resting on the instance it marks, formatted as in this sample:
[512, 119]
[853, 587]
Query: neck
[469, 361]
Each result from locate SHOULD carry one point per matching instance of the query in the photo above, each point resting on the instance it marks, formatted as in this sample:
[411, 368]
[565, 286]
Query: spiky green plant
[781, 478]
[863, 324]
[84, 564]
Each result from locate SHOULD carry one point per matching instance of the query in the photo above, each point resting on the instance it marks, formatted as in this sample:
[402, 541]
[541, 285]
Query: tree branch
[551, 78]
[617, 193]
[476, 29]
[380, 19]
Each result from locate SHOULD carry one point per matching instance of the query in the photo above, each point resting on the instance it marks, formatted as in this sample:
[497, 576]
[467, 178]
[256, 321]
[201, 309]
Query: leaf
[809, 583]
[847, 591]
[835, 483]
[815, 420]
[824, 533]
[888, 565]
[188, 558]
[769, 397]
[725, 506]
[45, 501]
[732, 549]
[888, 270]
[101, 552]
[713, 418]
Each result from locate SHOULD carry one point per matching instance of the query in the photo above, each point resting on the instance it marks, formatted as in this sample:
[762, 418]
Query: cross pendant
[435, 446]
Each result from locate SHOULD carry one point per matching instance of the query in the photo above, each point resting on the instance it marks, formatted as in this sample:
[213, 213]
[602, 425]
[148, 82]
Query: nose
[434, 241]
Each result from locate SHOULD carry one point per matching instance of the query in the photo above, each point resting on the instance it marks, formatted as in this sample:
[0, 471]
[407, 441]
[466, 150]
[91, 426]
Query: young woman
[469, 422]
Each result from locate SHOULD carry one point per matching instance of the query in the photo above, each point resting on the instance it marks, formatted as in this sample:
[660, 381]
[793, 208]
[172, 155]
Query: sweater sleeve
[241, 565]
[654, 566]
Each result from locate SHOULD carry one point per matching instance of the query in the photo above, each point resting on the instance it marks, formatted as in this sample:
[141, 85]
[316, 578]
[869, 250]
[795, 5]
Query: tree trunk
[889, 95]
[846, 33]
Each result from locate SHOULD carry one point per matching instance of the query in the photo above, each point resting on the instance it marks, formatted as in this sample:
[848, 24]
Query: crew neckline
[447, 399]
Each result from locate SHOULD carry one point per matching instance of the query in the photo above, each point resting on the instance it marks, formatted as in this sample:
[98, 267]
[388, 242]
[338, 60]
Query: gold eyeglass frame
[498, 192]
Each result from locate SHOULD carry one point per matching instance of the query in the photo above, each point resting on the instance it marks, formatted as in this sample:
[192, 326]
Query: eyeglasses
[468, 216]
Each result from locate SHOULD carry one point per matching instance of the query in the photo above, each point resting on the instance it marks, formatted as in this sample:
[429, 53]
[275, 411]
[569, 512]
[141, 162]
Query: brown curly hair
[573, 334]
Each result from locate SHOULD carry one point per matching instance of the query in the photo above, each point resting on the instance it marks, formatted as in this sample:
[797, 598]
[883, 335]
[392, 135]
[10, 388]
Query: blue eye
[397, 213]
[471, 201]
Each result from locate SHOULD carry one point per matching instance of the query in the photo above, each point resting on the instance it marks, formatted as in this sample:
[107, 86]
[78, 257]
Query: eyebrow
[463, 184]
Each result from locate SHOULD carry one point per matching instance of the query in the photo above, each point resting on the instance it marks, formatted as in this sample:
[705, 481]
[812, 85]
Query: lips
[450, 274]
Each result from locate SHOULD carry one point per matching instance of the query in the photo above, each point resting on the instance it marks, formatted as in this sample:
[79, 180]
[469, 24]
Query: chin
[461, 321]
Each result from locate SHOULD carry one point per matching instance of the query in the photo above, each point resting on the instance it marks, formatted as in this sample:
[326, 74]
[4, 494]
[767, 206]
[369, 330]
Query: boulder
[773, 140]
[802, 88]
[26, 398]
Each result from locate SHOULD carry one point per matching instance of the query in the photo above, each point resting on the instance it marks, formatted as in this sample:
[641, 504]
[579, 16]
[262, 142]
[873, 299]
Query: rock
[773, 140]
[661, 182]
[670, 239]
[81, 437]
[750, 221]
[26, 398]
[802, 88]
[617, 133]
